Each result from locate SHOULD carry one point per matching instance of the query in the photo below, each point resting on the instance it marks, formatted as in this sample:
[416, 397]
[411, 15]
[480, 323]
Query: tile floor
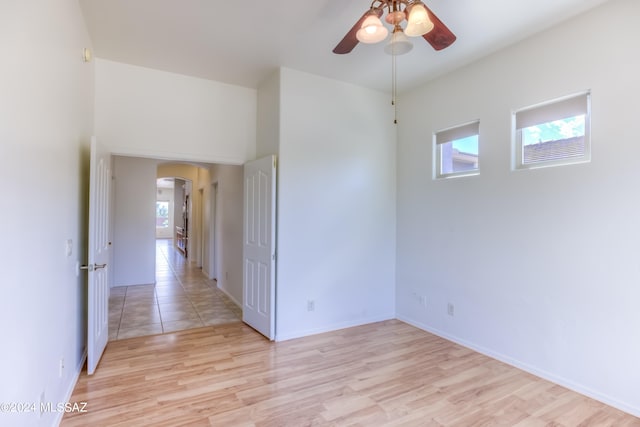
[182, 298]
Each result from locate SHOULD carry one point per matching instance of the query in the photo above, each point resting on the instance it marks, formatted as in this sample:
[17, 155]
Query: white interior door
[98, 307]
[259, 253]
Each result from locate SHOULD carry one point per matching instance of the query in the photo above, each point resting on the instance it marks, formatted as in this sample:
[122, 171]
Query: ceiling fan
[421, 21]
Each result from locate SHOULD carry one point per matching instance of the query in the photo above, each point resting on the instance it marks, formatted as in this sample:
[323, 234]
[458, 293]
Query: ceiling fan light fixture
[418, 22]
[372, 30]
[399, 43]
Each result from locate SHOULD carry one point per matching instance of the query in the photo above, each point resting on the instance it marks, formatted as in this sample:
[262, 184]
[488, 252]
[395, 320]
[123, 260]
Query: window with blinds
[456, 151]
[552, 133]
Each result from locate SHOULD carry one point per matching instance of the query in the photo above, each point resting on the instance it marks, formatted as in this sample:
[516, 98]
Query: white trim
[334, 327]
[235, 301]
[174, 156]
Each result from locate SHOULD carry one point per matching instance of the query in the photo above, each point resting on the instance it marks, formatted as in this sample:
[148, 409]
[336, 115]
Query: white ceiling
[242, 42]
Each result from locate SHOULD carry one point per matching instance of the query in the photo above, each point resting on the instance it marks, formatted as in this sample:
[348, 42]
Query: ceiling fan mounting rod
[391, 5]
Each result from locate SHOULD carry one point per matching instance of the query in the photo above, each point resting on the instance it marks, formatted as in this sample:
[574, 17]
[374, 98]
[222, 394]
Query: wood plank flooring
[382, 374]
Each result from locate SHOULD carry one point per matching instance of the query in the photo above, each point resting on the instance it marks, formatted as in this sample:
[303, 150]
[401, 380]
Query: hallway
[182, 298]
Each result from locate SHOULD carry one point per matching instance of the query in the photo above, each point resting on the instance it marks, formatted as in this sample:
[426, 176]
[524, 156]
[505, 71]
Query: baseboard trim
[571, 385]
[333, 327]
[236, 302]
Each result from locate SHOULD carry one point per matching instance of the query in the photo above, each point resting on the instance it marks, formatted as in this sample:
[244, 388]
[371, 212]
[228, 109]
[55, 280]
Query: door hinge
[273, 256]
[274, 162]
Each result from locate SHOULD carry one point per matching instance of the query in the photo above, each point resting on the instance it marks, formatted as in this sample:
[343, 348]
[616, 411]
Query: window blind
[556, 110]
[458, 132]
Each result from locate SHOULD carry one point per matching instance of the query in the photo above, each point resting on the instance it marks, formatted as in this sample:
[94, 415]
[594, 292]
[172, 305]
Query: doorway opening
[173, 211]
[195, 242]
[165, 213]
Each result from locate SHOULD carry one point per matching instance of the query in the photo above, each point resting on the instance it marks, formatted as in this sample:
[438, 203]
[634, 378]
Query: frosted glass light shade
[372, 30]
[399, 44]
[418, 22]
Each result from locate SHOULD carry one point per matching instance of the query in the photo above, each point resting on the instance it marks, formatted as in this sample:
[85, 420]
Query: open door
[98, 304]
[259, 254]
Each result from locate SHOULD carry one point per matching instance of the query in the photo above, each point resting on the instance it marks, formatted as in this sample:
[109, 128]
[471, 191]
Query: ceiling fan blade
[350, 40]
[441, 36]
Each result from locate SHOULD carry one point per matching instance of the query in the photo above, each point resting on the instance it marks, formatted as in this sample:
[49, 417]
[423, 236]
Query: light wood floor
[383, 374]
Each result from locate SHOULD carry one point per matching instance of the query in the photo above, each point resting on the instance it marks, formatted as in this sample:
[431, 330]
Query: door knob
[92, 267]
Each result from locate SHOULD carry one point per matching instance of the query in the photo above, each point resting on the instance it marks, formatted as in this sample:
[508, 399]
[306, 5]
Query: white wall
[46, 110]
[336, 205]
[134, 240]
[542, 266]
[228, 250]
[268, 119]
[150, 113]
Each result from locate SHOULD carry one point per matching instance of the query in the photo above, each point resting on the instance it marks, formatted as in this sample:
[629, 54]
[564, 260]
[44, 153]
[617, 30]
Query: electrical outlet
[450, 309]
[61, 370]
[420, 299]
[311, 305]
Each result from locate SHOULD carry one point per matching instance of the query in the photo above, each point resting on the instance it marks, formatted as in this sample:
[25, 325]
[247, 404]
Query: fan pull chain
[394, 90]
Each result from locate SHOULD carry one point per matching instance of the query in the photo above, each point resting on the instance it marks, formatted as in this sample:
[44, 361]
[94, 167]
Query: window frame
[451, 134]
[544, 108]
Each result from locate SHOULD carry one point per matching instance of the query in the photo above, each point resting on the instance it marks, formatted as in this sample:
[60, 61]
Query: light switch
[69, 247]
